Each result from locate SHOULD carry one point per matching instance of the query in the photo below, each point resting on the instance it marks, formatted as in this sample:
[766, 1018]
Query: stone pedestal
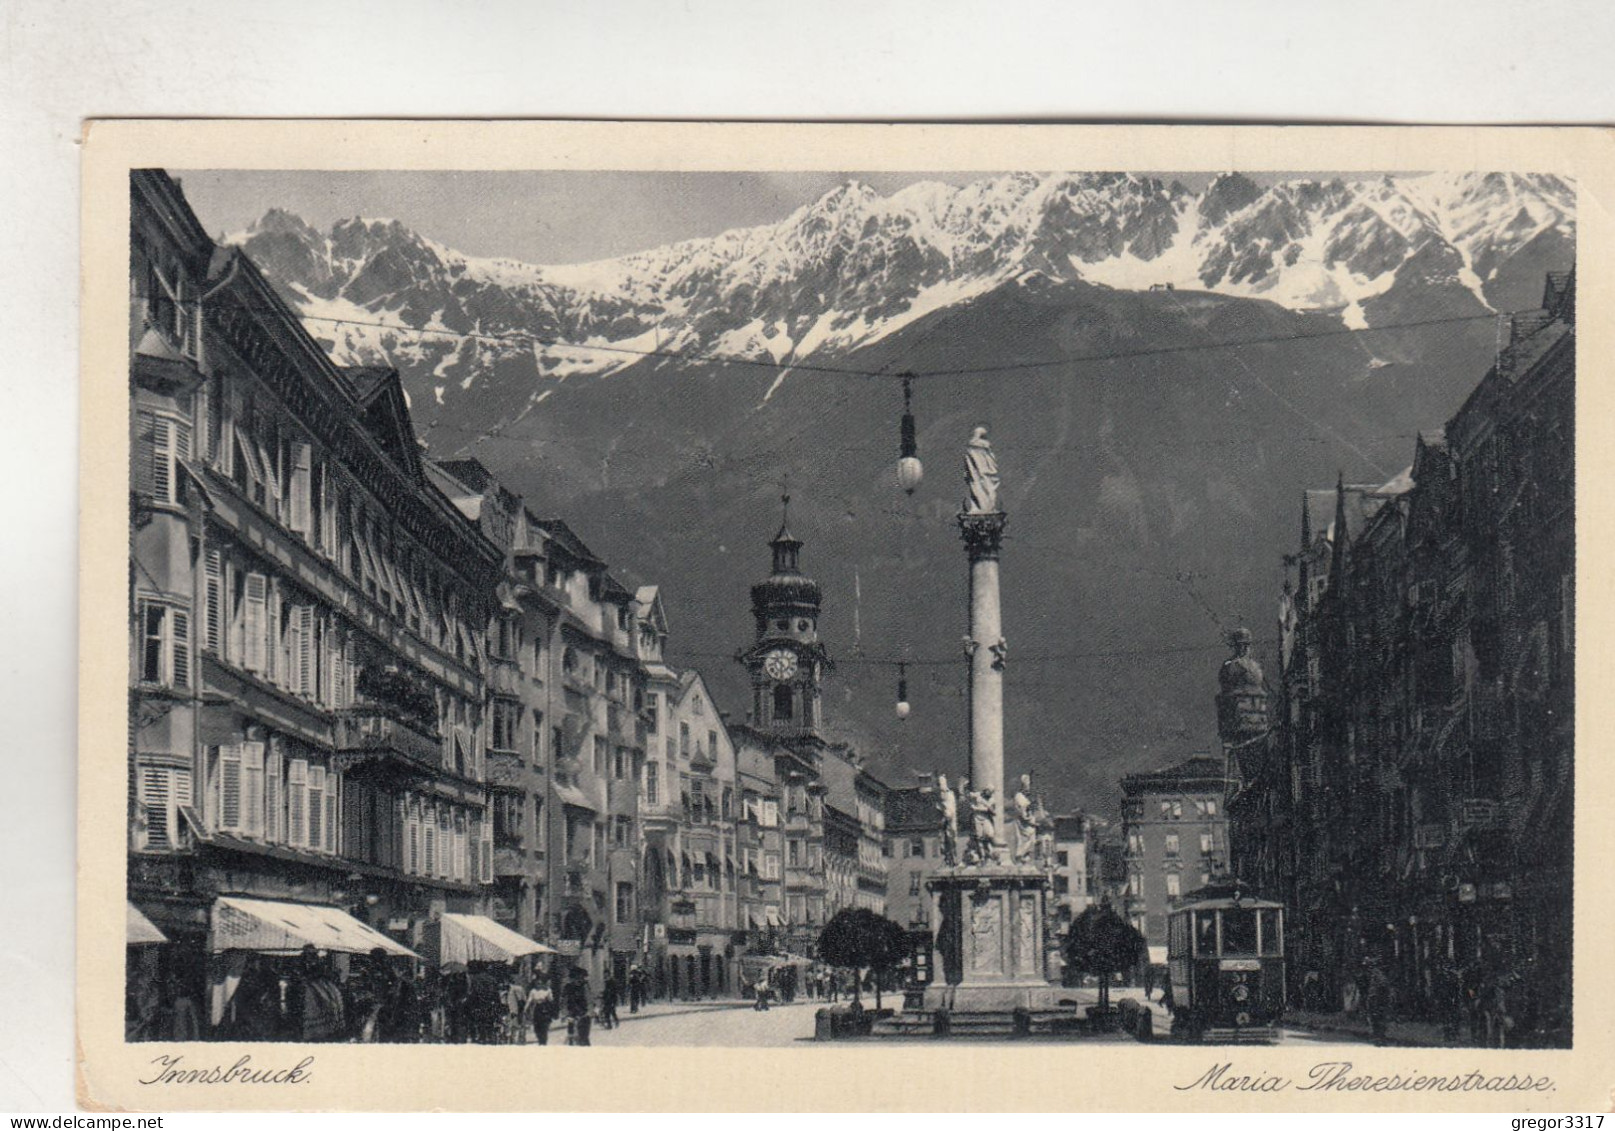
[991, 940]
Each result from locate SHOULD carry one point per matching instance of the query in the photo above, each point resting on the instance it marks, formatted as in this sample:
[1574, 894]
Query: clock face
[780, 664]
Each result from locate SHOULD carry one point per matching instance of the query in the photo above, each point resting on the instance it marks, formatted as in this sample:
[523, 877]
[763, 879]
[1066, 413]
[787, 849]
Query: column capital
[983, 534]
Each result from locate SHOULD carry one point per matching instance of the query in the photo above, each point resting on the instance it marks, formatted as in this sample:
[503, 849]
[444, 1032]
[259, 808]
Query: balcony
[505, 767]
[374, 732]
[505, 678]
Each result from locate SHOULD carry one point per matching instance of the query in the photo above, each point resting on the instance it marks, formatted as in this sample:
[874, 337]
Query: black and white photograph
[1118, 612]
[560, 638]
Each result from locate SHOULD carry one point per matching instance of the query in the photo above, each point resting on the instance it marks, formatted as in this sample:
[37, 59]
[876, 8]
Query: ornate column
[983, 537]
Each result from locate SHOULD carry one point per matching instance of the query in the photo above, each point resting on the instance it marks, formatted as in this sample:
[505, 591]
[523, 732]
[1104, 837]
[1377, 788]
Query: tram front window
[1238, 932]
[1205, 933]
[1270, 931]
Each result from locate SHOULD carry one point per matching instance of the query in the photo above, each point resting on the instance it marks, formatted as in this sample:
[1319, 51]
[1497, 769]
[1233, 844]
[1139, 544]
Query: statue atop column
[981, 475]
[950, 820]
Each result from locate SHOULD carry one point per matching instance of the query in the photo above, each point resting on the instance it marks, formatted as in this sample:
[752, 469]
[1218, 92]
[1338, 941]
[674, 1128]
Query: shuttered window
[252, 789]
[227, 763]
[165, 645]
[162, 792]
[302, 680]
[297, 803]
[485, 853]
[333, 785]
[213, 602]
[274, 790]
[428, 844]
[161, 442]
[316, 807]
[412, 838]
[254, 623]
[301, 502]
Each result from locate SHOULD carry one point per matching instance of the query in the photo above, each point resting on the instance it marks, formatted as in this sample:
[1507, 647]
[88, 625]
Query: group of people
[784, 982]
[374, 998]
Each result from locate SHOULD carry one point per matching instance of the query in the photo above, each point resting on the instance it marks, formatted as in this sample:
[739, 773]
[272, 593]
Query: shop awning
[142, 930]
[1157, 956]
[271, 927]
[773, 918]
[462, 939]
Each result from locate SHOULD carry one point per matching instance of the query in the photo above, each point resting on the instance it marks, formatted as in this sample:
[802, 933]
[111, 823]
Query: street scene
[747, 610]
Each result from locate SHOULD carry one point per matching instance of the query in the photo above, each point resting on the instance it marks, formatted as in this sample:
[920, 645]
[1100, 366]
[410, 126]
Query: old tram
[1225, 959]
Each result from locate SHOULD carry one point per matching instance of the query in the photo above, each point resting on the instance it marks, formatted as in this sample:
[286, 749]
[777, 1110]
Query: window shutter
[271, 476]
[428, 844]
[184, 798]
[179, 640]
[162, 460]
[252, 788]
[281, 651]
[274, 786]
[485, 870]
[156, 798]
[302, 490]
[213, 602]
[229, 769]
[332, 784]
[303, 659]
[316, 807]
[412, 828]
[296, 803]
[255, 623]
[331, 661]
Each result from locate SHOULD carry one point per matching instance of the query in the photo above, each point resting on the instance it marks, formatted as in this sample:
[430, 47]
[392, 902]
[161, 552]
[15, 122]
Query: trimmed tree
[858, 937]
[1102, 943]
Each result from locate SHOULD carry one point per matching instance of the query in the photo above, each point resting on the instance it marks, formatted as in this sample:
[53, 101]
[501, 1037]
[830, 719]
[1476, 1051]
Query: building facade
[1175, 839]
[307, 672]
[1427, 699]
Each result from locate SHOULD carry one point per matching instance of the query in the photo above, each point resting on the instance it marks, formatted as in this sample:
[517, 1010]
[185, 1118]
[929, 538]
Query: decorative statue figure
[981, 474]
[1025, 827]
[950, 820]
[1043, 821]
[983, 831]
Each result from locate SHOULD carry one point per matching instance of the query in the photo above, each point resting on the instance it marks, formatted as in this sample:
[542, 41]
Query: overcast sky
[542, 217]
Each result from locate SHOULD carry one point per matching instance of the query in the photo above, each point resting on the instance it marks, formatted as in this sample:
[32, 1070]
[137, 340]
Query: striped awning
[462, 939]
[272, 927]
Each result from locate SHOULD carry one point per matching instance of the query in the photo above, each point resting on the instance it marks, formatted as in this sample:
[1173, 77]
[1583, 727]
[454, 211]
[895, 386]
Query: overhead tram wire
[1053, 658]
[527, 337]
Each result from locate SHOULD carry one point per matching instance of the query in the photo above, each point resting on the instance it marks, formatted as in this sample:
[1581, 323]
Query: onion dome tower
[785, 659]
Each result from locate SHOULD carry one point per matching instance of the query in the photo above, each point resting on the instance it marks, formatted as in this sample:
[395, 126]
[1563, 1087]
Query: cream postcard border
[942, 1076]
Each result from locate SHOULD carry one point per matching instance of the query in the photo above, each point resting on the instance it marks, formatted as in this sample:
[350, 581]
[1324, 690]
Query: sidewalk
[1411, 1034]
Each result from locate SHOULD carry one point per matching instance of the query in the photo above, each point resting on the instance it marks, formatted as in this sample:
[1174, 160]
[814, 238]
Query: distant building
[1074, 888]
[1175, 838]
[914, 831]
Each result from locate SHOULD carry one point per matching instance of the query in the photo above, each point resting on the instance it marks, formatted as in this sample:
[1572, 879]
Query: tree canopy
[857, 936]
[1102, 943]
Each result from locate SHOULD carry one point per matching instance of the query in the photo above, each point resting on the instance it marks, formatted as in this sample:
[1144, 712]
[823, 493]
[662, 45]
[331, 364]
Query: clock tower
[785, 659]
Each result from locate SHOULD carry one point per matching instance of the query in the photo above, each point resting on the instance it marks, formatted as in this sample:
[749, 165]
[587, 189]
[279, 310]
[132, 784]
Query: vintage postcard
[790, 617]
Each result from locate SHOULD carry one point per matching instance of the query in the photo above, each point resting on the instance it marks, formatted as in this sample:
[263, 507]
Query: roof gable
[385, 412]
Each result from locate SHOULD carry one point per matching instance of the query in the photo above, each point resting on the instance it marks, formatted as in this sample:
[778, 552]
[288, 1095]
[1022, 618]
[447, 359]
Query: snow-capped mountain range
[852, 267]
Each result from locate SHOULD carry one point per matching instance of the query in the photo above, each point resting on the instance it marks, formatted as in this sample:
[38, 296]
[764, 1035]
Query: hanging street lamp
[909, 469]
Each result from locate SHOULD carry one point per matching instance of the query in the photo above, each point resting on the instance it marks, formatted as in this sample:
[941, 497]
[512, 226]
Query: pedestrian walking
[761, 991]
[636, 988]
[608, 1002]
[541, 1010]
[578, 1021]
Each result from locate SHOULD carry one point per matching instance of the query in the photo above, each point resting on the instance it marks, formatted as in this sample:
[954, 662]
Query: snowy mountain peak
[853, 266]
